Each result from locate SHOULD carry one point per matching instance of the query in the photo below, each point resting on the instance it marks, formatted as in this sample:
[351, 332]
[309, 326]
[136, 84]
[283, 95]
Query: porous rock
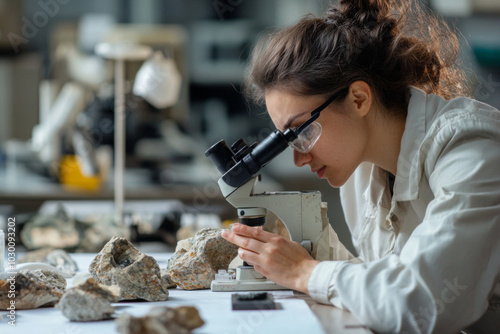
[167, 280]
[161, 320]
[55, 257]
[137, 275]
[100, 229]
[33, 289]
[61, 231]
[56, 230]
[89, 301]
[184, 244]
[195, 268]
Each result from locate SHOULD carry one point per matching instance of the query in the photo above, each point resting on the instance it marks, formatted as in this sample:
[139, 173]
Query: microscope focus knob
[307, 244]
[238, 145]
[253, 221]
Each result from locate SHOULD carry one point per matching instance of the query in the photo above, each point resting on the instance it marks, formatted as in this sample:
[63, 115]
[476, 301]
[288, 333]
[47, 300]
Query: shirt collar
[410, 169]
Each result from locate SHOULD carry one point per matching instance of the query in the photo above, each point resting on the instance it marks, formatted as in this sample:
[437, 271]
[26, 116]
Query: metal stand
[119, 139]
[120, 53]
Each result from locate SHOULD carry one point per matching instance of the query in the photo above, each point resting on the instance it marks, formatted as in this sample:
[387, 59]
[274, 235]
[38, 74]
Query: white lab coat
[431, 254]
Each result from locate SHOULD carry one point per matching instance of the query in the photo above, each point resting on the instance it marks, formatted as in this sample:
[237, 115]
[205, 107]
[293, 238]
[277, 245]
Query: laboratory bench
[296, 313]
[24, 192]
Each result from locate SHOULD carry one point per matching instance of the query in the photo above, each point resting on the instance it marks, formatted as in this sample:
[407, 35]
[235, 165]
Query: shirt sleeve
[321, 284]
[445, 273]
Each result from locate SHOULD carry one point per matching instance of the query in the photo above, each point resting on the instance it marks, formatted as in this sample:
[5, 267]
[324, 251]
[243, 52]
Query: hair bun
[360, 11]
[335, 16]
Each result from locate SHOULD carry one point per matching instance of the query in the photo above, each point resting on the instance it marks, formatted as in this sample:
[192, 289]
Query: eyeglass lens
[307, 138]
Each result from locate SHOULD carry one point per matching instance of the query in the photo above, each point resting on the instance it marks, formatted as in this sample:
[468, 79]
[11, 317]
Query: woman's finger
[252, 232]
[242, 241]
[248, 256]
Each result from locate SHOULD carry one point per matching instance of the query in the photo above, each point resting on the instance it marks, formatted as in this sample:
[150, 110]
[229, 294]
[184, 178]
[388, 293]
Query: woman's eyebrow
[293, 118]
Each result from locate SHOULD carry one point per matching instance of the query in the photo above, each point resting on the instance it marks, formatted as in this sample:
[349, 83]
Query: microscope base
[247, 279]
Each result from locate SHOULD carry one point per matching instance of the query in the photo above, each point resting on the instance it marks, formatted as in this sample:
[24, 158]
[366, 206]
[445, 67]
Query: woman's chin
[336, 181]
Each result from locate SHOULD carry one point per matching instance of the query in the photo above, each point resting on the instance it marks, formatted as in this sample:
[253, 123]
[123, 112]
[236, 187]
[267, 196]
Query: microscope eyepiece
[221, 156]
[241, 162]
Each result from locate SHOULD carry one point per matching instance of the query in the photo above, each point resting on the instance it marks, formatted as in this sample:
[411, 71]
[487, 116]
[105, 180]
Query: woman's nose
[301, 159]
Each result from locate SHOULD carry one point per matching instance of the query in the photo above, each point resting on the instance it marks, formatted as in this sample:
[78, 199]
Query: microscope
[303, 213]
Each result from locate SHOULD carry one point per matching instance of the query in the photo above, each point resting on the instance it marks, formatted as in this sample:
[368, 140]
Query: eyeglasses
[309, 132]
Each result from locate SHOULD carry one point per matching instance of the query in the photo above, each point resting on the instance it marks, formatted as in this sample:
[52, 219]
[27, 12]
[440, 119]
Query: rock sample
[52, 230]
[161, 320]
[137, 275]
[100, 229]
[184, 244]
[89, 301]
[55, 257]
[33, 289]
[195, 268]
[59, 230]
[167, 280]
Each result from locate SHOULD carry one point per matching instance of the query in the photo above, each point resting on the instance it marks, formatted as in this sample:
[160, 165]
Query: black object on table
[253, 301]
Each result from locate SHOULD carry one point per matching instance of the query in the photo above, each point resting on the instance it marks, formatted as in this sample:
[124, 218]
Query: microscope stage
[236, 285]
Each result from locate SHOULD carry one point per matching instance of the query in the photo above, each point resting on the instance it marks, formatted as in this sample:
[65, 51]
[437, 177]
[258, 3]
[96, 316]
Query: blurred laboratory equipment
[120, 53]
[158, 81]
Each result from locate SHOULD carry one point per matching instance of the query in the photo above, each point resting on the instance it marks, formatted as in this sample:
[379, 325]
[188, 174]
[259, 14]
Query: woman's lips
[320, 172]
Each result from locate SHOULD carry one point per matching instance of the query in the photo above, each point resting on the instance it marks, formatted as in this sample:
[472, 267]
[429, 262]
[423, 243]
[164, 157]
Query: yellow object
[71, 176]
[227, 223]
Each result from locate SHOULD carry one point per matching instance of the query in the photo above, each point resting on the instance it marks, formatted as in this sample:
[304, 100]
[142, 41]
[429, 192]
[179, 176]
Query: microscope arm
[301, 212]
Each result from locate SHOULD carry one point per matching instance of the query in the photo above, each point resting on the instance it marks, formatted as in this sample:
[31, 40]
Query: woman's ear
[360, 97]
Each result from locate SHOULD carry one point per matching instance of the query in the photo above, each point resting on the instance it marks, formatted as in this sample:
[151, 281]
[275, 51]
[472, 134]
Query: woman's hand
[282, 261]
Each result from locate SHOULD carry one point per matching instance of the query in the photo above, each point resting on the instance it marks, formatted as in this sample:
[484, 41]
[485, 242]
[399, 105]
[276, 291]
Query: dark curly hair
[389, 44]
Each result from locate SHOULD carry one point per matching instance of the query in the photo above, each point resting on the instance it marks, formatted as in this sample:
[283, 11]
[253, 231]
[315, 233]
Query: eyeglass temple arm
[315, 114]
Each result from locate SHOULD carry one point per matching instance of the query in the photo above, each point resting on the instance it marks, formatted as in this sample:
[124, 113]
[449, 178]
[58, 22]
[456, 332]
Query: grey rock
[58, 230]
[55, 257]
[167, 280]
[184, 244]
[33, 289]
[101, 228]
[88, 301]
[80, 278]
[51, 230]
[161, 320]
[110, 293]
[196, 267]
[137, 275]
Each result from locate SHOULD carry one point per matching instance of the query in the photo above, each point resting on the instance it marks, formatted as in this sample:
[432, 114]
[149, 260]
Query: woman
[418, 168]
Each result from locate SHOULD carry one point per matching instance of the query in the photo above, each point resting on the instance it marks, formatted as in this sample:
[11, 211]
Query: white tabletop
[296, 313]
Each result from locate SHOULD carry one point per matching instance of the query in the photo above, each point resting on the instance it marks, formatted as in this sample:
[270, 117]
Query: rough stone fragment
[101, 228]
[51, 230]
[89, 301]
[110, 293]
[167, 280]
[184, 244]
[33, 289]
[161, 320]
[137, 275]
[196, 267]
[55, 257]
[59, 230]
